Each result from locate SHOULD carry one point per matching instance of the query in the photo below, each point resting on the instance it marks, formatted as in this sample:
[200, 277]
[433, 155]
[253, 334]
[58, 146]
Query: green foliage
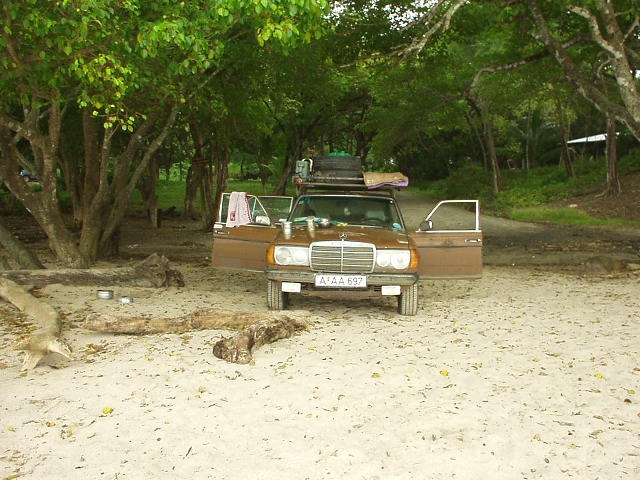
[630, 162]
[538, 138]
[177, 172]
[243, 171]
[275, 169]
[541, 186]
[114, 57]
[525, 195]
[469, 180]
[537, 187]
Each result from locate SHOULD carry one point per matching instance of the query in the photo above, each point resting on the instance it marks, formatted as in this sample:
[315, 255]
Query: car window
[348, 210]
[277, 206]
[259, 215]
[453, 215]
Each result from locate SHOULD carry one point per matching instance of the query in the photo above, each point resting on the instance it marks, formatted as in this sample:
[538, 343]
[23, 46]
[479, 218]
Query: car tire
[408, 300]
[276, 298]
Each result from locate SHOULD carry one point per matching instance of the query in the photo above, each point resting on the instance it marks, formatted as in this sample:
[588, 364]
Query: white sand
[524, 374]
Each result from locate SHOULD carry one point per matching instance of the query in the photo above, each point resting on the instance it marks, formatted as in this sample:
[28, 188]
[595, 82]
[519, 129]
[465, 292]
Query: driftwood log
[45, 338]
[153, 271]
[202, 319]
[255, 329]
[239, 347]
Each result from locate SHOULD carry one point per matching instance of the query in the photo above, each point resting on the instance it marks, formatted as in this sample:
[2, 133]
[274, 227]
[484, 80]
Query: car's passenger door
[245, 246]
[449, 241]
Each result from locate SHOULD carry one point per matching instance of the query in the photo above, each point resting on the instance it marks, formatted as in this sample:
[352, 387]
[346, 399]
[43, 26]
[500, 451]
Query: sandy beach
[526, 373]
[532, 372]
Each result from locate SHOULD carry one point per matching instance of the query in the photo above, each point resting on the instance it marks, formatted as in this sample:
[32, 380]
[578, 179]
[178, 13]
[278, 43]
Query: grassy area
[525, 195]
[564, 215]
[171, 193]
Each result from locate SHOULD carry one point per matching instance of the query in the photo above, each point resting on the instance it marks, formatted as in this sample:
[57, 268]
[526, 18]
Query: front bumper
[373, 279]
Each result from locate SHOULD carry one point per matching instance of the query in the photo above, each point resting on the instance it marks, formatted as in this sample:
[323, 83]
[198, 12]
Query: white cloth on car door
[238, 213]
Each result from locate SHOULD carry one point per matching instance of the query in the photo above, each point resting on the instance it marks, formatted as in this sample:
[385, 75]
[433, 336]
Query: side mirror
[262, 220]
[426, 225]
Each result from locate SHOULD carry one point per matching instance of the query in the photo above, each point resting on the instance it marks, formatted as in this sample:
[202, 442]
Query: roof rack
[304, 188]
[342, 173]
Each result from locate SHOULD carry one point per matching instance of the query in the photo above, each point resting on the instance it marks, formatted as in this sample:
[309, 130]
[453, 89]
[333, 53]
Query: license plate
[341, 281]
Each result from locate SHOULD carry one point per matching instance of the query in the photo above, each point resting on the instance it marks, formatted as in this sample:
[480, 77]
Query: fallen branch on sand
[45, 338]
[256, 329]
[201, 319]
[153, 271]
[239, 347]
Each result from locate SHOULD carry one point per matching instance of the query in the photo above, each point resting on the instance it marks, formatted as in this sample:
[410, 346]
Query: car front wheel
[276, 298]
[408, 300]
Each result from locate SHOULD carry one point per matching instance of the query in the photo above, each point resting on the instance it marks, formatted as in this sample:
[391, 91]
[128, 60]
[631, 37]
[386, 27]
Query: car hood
[382, 238]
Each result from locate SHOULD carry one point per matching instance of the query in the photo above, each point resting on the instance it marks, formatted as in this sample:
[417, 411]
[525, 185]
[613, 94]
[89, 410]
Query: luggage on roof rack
[342, 172]
[332, 169]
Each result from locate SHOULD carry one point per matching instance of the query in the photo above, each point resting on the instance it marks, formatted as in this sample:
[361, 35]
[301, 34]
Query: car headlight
[398, 259]
[287, 255]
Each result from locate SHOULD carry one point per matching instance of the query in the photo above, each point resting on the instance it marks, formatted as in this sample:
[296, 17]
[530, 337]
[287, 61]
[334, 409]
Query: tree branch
[628, 113]
[596, 33]
[448, 9]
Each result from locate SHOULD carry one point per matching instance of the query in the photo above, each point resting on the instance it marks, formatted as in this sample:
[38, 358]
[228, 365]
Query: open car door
[245, 247]
[277, 206]
[449, 241]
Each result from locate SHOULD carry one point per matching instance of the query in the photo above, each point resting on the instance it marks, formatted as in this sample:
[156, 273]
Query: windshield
[342, 210]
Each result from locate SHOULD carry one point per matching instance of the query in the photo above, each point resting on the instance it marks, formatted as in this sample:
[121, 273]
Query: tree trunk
[289, 167]
[45, 338]
[222, 158]
[42, 204]
[191, 190]
[144, 144]
[565, 156]
[202, 177]
[108, 179]
[613, 180]
[488, 139]
[207, 200]
[23, 257]
[147, 187]
[154, 271]
[94, 180]
[473, 124]
[491, 149]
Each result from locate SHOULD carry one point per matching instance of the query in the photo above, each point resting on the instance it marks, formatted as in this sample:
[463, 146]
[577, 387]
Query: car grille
[342, 257]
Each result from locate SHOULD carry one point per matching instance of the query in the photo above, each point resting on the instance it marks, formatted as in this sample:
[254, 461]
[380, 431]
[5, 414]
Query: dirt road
[508, 242]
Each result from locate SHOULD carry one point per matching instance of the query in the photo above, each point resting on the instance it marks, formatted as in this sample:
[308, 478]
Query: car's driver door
[245, 246]
[449, 241]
